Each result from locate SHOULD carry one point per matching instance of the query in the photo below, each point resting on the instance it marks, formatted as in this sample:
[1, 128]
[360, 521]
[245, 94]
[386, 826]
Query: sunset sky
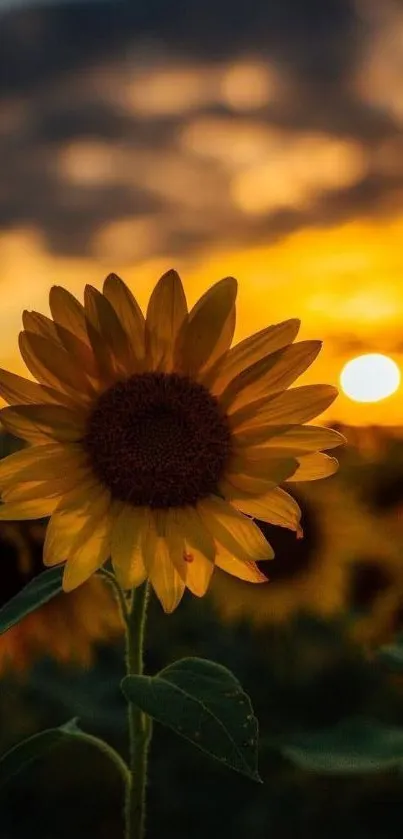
[261, 139]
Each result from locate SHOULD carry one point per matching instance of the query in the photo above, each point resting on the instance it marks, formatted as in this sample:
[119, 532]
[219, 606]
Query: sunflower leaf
[352, 746]
[14, 761]
[45, 586]
[204, 703]
[23, 754]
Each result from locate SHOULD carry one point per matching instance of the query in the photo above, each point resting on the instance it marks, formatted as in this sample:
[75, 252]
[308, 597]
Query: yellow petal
[85, 496]
[248, 352]
[288, 440]
[127, 545]
[159, 547]
[166, 313]
[68, 312]
[80, 351]
[129, 313]
[199, 551]
[40, 325]
[72, 519]
[38, 423]
[277, 507]
[32, 490]
[292, 362]
[37, 463]
[37, 509]
[113, 348]
[243, 569]
[233, 531]
[59, 534]
[314, 466]
[107, 368]
[248, 484]
[89, 552]
[300, 404]
[231, 485]
[51, 365]
[209, 329]
[57, 335]
[266, 472]
[17, 390]
[271, 374]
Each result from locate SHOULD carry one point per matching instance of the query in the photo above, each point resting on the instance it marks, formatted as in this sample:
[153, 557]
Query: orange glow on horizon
[343, 282]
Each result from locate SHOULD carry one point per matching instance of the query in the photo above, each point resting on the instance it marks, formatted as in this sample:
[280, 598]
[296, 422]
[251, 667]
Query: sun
[370, 377]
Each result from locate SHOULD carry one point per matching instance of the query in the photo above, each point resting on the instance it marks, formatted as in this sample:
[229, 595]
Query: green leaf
[204, 703]
[35, 594]
[33, 748]
[354, 745]
[30, 750]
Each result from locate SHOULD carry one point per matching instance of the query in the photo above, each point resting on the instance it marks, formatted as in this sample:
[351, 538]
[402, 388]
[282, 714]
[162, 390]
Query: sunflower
[156, 443]
[307, 575]
[377, 580]
[349, 562]
[66, 628]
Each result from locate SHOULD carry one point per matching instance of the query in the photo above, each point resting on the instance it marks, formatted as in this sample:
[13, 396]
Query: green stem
[120, 597]
[139, 728]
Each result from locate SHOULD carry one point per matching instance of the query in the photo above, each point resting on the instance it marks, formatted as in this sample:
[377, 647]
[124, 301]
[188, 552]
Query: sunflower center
[158, 440]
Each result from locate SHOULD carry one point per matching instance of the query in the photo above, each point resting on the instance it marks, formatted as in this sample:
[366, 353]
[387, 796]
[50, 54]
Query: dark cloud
[335, 110]
[68, 121]
[73, 216]
[315, 39]
[62, 81]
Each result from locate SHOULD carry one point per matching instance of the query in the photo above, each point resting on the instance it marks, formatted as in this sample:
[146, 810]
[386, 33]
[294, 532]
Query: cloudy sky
[259, 139]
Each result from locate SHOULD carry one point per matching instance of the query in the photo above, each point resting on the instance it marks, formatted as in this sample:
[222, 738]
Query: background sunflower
[374, 470]
[66, 628]
[350, 559]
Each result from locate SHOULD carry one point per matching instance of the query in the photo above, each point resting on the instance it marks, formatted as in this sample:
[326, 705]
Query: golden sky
[274, 156]
[343, 282]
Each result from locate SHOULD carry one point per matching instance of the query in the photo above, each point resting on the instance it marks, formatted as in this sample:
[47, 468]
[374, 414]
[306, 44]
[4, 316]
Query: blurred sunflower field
[304, 646]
